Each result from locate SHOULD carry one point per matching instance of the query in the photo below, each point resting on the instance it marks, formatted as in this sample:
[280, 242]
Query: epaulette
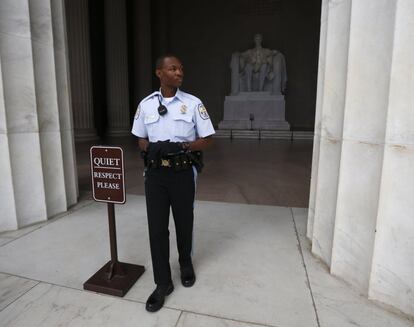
[190, 97]
[149, 97]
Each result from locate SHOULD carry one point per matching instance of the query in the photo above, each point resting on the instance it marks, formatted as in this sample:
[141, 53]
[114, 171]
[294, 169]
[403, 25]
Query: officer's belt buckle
[165, 163]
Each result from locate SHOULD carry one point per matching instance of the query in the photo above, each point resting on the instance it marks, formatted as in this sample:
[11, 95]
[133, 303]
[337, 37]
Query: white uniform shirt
[186, 120]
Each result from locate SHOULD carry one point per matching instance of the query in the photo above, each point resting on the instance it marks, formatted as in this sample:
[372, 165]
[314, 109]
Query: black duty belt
[170, 163]
[178, 162]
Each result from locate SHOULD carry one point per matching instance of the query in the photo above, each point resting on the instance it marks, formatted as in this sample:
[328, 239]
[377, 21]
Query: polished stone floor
[268, 172]
[252, 262]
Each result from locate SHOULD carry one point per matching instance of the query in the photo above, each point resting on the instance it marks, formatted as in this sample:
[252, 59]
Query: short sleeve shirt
[186, 119]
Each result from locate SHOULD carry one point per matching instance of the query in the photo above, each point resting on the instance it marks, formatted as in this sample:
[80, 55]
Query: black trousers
[165, 188]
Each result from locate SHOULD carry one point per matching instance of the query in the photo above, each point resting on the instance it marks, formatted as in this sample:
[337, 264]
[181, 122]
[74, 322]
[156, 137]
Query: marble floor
[268, 172]
[253, 266]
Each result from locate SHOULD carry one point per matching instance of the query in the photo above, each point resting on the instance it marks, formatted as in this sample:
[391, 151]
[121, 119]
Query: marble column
[143, 68]
[77, 19]
[33, 161]
[117, 92]
[360, 219]
[160, 33]
[367, 89]
[333, 106]
[8, 219]
[318, 115]
[47, 105]
[21, 115]
[392, 273]
[64, 101]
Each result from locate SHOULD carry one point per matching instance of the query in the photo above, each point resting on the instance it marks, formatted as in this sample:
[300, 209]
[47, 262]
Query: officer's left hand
[169, 148]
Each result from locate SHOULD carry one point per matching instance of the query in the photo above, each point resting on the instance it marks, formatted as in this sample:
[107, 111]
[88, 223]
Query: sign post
[108, 185]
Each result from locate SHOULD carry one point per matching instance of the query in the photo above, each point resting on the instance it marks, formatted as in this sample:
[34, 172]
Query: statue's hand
[270, 76]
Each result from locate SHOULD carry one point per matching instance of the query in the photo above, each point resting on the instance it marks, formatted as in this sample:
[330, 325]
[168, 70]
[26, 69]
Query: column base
[85, 134]
[118, 132]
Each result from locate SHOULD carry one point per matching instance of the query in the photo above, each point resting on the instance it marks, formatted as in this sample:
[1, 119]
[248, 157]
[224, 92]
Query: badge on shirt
[137, 113]
[183, 109]
[203, 112]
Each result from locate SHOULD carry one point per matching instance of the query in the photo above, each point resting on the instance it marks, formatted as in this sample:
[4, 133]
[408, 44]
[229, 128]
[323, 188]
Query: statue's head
[258, 38]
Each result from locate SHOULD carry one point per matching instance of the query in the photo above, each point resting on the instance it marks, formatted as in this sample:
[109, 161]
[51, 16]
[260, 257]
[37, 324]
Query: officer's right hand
[154, 150]
[171, 148]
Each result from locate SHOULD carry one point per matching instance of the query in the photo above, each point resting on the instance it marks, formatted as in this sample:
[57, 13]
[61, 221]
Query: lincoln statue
[258, 69]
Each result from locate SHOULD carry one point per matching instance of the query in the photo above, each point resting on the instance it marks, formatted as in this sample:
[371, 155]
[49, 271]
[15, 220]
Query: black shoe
[156, 299]
[188, 277]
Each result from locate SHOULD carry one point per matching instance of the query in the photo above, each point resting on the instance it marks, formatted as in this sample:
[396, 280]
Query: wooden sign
[107, 170]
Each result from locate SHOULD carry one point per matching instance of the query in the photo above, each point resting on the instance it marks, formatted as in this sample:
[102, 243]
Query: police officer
[171, 126]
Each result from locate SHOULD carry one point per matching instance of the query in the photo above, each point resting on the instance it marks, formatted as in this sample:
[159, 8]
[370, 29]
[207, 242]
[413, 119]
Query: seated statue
[258, 69]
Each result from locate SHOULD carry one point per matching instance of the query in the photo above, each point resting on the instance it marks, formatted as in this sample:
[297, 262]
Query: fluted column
[47, 105]
[77, 19]
[392, 274]
[143, 69]
[35, 167]
[332, 118]
[8, 219]
[364, 182]
[160, 37]
[64, 102]
[370, 54]
[21, 112]
[116, 68]
[318, 115]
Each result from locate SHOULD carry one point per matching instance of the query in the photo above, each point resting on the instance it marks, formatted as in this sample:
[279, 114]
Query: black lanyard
[162, 110]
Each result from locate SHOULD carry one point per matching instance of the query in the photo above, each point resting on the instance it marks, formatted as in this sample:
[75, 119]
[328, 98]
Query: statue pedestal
[267, 109]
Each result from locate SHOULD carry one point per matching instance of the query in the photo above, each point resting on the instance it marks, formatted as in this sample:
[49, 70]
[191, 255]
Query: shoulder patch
[137, 112]
[203, 112]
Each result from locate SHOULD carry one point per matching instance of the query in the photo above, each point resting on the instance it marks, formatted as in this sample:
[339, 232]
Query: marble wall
[205, 35]
[362, 173]
[155, 27]
[37, 153]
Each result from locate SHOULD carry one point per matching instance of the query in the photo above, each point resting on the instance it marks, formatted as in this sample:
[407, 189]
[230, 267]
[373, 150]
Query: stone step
[245, 134]
[223, 133]
[264, 134]
[303, 135]
[278, 135]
